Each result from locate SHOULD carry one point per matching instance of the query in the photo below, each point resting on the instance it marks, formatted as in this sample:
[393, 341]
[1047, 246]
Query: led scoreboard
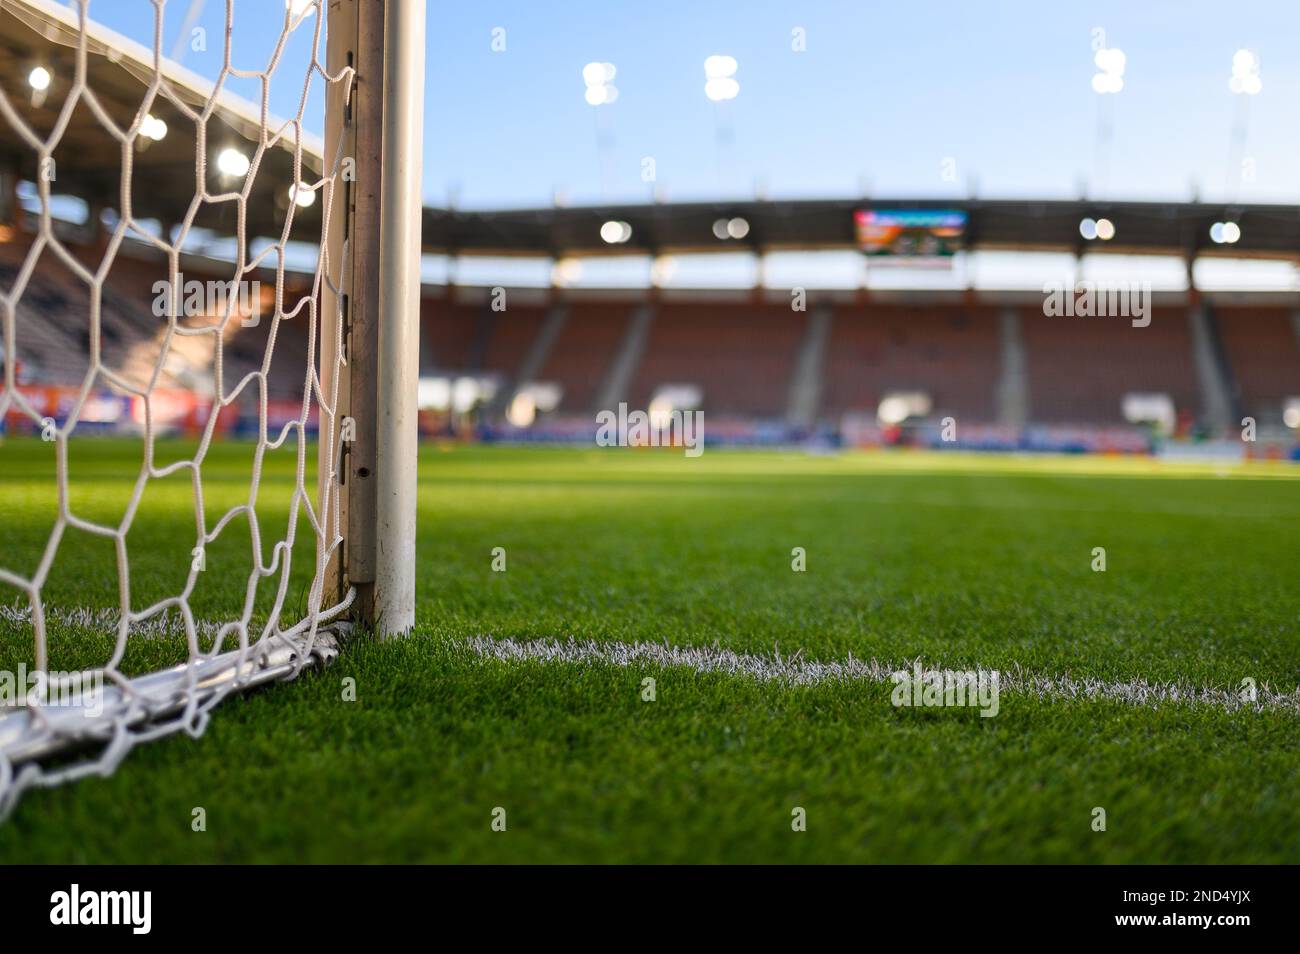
[910, 233]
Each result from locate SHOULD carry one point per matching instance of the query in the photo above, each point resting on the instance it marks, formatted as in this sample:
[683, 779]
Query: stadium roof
[43, 32]
[1161, 228]
[119, 70]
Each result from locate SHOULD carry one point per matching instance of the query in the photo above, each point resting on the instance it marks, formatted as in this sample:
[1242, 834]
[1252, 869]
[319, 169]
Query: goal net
[193, 408]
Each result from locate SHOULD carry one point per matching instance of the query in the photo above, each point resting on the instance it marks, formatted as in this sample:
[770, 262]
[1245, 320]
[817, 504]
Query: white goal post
[357, 324]
[377, 308]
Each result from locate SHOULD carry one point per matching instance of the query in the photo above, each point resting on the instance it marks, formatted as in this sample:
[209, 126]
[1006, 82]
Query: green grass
[965, 561]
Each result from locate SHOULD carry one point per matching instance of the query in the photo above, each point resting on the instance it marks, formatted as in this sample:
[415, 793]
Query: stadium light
[736, 228]
[1245, 73]
[1103, 229]
[599, 80]
[1225, 233]
[615, 233]
[232, 162]
[39, 79]
[153, 128]
[720, 78]
[302, 196]
[1111, 62]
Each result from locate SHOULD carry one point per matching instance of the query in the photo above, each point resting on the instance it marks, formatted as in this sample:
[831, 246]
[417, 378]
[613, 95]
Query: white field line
[797, 671]
[790, 670]
[167, 623]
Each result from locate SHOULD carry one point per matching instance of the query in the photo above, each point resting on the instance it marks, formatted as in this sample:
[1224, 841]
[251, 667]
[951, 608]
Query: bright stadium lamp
[232, 162]
[615, 233]
[1111, 62]
[721, 89]
[718, 66]
[720, 78]
[1088, 229]
[153, 128]
[1225, 233]
[302, 196]
[1105, 229]
[594, 74]
[599, 80]
[1245, 73]
[734, 228]
[39, 79]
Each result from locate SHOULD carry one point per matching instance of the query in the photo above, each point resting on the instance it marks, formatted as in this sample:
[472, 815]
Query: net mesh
[275, 627]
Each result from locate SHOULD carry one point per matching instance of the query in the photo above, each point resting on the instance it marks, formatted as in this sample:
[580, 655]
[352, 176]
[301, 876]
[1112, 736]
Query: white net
[230, 548]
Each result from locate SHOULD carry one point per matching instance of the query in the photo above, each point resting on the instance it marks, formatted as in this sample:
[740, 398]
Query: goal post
[374, 317]
[354, 322]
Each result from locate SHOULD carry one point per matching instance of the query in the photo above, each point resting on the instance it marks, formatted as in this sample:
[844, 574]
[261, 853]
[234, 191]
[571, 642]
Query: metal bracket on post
[377, 229]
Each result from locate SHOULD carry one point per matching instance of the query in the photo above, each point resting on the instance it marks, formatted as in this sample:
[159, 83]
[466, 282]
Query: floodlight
[615, 233]
[151, 127]
[599, 79]
[720, 82]
[232, 162]
[302, 196]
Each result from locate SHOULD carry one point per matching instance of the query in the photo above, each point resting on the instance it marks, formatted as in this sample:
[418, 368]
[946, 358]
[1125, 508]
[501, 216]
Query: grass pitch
[963, 561]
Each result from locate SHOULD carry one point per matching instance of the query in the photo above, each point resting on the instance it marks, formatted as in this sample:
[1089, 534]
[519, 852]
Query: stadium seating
[53, 334]
[471, 338]
[1261, 347]
[951, 353]
[1081, 368]
[740, 355]
[581, 356]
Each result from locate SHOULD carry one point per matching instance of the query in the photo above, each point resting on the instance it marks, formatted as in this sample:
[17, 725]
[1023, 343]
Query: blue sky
[882, 95]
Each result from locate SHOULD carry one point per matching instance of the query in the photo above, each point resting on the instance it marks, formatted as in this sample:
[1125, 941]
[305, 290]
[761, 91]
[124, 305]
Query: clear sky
[882, 95]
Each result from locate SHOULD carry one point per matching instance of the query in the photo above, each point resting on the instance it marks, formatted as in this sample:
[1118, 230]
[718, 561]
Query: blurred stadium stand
[991, 360]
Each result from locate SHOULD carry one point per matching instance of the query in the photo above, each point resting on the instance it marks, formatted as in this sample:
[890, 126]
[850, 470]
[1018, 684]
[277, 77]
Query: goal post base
[112, 718]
